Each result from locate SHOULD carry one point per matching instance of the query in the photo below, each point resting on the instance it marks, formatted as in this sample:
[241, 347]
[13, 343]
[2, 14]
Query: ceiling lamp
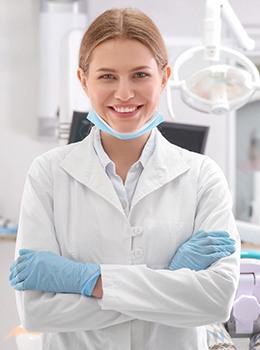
[218, 87]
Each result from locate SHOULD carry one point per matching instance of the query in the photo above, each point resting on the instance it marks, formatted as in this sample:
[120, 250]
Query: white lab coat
[71, 208]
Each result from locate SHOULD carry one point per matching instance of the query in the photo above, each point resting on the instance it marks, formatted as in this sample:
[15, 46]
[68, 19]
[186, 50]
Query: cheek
[98, 95]
[153, 94]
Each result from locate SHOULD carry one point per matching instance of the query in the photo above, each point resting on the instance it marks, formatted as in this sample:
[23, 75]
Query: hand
[49, 272]
[202, 250]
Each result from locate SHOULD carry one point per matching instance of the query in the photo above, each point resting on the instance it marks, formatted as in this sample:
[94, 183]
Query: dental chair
[244, 321]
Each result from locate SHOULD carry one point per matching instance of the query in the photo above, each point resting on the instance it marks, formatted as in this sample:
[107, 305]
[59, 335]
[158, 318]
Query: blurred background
[33, 83]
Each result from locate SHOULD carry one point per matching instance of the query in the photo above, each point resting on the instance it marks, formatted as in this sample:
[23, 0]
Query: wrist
[89, 277]
[98, 290]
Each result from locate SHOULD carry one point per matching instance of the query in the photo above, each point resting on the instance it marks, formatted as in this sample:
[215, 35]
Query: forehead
[122, 54]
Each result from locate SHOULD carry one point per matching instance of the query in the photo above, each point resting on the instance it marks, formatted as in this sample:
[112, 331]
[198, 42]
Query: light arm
[236, 27]
[212, 30]
[214, 10]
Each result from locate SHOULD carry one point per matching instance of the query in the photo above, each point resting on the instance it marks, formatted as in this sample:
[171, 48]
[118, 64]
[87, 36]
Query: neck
[124, 153]
[128, 150]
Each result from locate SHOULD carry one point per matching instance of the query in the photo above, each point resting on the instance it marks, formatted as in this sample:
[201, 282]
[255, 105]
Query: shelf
[9, 236]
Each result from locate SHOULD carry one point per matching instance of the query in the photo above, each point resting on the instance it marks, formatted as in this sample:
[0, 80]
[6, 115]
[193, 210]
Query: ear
[83, 80]
[165, 76]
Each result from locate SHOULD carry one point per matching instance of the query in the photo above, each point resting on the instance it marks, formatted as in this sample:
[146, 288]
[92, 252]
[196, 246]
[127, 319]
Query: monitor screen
[80, 127]
[191, 137]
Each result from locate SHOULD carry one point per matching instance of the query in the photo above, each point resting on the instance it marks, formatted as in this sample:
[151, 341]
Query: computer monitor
[191, 137]
[80, 127]
[188, 136]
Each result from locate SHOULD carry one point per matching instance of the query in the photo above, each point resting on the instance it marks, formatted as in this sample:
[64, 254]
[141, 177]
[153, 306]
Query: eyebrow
[114, 71]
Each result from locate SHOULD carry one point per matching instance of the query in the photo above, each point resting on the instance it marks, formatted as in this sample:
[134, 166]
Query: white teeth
[125, 109]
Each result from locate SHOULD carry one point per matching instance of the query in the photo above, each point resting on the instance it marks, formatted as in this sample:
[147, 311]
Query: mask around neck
[155, 120]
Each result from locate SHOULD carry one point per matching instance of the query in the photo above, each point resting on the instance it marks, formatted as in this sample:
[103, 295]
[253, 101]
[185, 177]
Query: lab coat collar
[83, 164]
[165, 165]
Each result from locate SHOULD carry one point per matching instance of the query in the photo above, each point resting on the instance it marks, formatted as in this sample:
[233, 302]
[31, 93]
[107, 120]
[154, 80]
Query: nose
[124, 90]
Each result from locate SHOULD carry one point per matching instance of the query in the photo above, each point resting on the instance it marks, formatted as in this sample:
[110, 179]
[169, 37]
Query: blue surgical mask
[155, 120]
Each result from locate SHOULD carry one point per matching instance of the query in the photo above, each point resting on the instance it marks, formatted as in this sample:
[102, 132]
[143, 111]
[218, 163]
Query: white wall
[19, 141]
[173, 17]
[18, 100]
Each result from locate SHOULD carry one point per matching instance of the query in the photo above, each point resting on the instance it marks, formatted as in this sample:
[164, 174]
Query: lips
[125, 109]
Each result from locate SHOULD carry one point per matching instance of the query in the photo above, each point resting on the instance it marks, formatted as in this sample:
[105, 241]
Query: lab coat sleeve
[182, 298]
[48, 312]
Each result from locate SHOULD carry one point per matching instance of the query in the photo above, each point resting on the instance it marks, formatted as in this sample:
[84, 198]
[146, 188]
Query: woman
[125, 240]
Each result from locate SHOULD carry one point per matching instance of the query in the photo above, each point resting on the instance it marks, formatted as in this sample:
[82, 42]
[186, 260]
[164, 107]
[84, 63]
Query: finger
[19, 286]
[16, 269]
[12, 275]
[213, 248]
[22, 258]
[26, 257]
[21, 272]
[13, 266]
[20, 261]
[217, 241]
[218, 233]
[210, 247]
[24, 251]
[20, 277]
[201, 234]
[220, 249]
[225, 249]
[220, 255]
[223, 241]
[231, 248]
[14, 281]
[210, 250]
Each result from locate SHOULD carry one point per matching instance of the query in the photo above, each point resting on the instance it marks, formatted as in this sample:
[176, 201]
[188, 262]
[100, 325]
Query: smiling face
[124, 83]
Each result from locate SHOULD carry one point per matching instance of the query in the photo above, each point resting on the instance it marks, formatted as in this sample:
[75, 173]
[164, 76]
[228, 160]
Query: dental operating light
[217, 88]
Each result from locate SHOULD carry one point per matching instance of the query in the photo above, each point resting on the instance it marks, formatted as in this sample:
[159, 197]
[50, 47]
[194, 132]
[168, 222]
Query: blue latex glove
[49, 272]
[202, 250]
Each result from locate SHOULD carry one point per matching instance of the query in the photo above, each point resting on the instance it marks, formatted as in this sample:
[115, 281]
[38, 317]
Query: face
[124, 83]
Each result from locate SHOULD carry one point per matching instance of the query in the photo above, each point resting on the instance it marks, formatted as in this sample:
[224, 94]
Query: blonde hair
[125, 23]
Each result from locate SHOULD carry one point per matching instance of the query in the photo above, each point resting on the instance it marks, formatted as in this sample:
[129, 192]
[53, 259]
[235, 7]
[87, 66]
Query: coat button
[124, 205]
[136, 230]
[138, 252]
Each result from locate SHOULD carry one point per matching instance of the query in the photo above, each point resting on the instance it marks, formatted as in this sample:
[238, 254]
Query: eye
[140, 75]
[107, 76]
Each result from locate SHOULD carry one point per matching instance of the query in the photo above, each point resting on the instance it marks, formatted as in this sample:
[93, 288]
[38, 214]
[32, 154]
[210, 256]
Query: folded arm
[38, 310]
[181, 298]
[48, 272]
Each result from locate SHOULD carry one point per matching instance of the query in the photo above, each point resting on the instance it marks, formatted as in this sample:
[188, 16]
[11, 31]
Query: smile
[129, 109]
